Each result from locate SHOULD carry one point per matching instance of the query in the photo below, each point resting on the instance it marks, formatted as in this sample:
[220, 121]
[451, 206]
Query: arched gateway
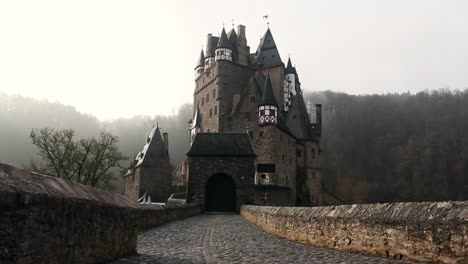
[221, 171]
[220, 194]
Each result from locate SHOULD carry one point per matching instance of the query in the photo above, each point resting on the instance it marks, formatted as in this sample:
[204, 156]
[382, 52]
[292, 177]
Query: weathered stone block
[417, 231]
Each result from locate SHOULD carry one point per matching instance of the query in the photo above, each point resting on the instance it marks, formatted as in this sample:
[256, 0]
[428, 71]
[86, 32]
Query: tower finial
[232, 22]
[265, 17]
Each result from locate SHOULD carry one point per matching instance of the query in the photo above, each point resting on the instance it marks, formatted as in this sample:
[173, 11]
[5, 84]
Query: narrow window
[313, 153]
[207, 97]
[216, 110]
[202, 101]
[260, 134]
[214, 93]
[252, 99]
[298, 153]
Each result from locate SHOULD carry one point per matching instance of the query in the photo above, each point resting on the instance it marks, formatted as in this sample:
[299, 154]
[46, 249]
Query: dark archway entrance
[220, 194]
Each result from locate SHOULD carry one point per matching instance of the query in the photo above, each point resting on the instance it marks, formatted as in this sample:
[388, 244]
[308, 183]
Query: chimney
[318, 119]
[166, 141]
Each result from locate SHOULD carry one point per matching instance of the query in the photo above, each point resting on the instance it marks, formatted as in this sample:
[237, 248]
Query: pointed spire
[201, 60]
[268, 97]
[267, 52]
[223, 40]
[289, 68]
[232, 36]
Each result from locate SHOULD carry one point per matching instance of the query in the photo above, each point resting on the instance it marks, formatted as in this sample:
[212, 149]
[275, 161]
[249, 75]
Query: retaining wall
[45, 219]
[417, 231]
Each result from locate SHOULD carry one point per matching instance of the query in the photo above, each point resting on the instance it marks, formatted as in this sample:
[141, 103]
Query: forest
[375, 148]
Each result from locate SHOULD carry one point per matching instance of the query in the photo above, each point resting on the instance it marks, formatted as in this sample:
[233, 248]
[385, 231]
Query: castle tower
[256, 92]
[200, 65]
[150, 174]
[267, 107]
[223, 50]
[289, 85]
[210, 47]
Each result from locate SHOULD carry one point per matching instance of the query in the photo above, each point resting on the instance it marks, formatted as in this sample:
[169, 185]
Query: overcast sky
[123, 58]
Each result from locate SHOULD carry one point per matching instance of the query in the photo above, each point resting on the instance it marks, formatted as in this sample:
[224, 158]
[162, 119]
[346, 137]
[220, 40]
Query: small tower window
[216, 110]
[260, 134]
[211, 112]
[313, 153]
[252, 99]
[207, 98]
[214, 94]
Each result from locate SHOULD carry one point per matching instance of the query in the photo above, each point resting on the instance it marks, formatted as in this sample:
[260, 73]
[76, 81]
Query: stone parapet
[429, 232]
[46, 219]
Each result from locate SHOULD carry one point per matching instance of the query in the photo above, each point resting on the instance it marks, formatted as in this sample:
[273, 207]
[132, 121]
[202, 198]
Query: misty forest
[375, 148]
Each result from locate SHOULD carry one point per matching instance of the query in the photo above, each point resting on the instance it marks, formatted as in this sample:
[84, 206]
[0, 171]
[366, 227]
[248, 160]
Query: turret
[223, 50]
[200, 65]
[210, 47]
[289, 84]
[267, 107]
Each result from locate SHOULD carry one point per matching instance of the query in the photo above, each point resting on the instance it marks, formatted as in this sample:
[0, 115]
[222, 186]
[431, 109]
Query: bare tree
[87, 161]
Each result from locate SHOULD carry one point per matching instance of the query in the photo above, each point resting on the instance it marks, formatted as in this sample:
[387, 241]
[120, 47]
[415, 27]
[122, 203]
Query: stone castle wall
[416, 231]
[45, 219]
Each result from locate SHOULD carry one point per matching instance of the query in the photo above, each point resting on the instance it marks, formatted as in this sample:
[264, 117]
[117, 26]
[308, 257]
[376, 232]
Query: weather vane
[265, 17]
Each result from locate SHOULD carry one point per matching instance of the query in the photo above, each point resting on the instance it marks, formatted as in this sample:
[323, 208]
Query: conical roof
[223, 40]
[298, 121]
[201, 60]
[232, 36]
[267, 53]
[268, 97]
[289, 68]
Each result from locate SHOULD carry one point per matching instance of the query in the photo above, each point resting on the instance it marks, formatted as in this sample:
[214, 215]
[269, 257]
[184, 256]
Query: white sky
[123, 58]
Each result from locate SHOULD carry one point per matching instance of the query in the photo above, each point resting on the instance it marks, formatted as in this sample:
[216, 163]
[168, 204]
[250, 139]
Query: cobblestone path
[224, 238]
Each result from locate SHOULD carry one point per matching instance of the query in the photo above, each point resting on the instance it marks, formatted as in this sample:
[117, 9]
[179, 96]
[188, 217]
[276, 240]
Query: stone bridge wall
[417, 231]
[49, 220]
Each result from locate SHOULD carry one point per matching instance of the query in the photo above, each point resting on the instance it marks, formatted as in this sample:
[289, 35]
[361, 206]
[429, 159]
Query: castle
[252, 139]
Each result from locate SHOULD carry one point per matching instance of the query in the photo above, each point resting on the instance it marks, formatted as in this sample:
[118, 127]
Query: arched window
[252, 99]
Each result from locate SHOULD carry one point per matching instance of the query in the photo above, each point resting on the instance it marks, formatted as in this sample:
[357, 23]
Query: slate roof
[260, 81]
[267, 53]
[201, 60]
[289, 68]
[223, 41]
[232, 36]
[298, 121]
[153, 150]
[222, 144]
[268, 97]
[196, 121]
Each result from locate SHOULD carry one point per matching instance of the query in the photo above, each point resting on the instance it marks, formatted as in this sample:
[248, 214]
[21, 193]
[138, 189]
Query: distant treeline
[376, 148]
[395, 147]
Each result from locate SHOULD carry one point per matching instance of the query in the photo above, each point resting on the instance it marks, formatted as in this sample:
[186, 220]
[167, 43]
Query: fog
[118, 59]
